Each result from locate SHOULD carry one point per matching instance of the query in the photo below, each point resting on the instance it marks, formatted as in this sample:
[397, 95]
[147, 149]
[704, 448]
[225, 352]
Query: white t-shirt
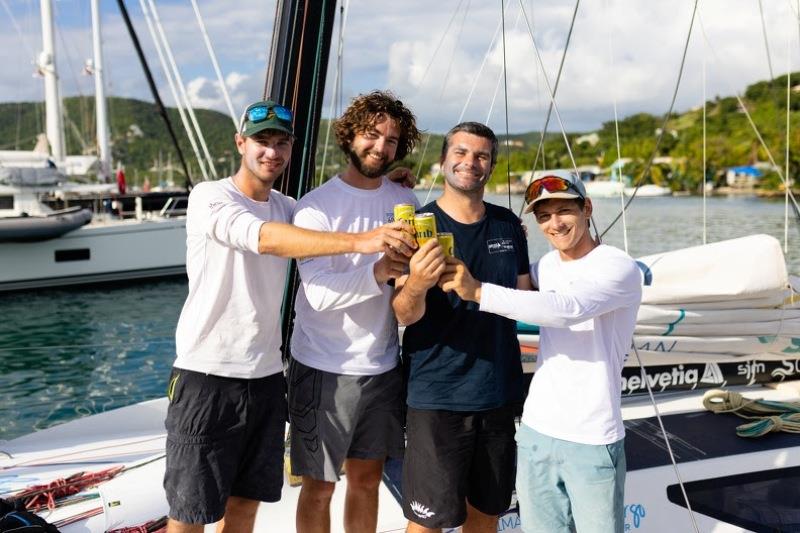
[230, 324]
[586, 309]
[344, 322]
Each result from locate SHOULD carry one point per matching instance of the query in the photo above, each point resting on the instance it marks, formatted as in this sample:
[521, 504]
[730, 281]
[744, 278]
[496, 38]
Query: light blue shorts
[565, 486]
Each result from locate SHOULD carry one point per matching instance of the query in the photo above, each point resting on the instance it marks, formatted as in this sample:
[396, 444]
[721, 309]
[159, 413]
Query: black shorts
[225, 437]
[457, 457]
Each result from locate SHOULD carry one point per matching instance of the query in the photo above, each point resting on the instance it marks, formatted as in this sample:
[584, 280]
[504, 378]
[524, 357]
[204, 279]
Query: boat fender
[15, 518]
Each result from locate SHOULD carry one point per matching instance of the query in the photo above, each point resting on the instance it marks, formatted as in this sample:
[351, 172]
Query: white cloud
[391, 44]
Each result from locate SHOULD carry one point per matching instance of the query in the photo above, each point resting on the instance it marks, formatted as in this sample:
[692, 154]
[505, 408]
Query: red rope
[46, 495]
[154, 526]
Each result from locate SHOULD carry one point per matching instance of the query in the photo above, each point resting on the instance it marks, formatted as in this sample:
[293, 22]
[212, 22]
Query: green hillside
[140, 140]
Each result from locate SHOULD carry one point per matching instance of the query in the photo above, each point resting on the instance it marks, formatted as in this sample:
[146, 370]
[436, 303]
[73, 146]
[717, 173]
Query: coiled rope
[766, 416]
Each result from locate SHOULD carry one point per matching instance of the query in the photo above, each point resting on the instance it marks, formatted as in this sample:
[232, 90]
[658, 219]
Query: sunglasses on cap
[264, 112]
[550, 184]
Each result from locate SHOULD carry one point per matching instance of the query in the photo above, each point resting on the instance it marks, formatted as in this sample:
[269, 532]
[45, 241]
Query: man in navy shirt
[465, 374]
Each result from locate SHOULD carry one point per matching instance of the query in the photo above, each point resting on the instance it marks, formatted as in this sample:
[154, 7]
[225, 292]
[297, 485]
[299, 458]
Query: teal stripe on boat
[671, 327]
[527, 329]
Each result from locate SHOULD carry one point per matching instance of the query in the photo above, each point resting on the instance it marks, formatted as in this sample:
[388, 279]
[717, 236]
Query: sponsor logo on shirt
[500, 246]
[420, 510]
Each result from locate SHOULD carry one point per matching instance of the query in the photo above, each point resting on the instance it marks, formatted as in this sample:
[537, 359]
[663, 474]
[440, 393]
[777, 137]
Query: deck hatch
[76, 254]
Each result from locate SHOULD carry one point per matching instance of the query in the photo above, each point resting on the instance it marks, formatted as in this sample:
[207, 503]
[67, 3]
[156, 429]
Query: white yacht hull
[98, 252]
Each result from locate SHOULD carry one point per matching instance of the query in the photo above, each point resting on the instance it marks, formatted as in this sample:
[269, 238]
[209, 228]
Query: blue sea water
[66, 353]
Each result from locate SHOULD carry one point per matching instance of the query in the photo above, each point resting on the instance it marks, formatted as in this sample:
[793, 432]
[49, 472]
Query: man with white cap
[571, 457]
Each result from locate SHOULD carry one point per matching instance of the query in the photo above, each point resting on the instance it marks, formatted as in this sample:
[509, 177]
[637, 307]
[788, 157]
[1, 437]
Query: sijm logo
[632, 516]
[750, 370]
[500, 246]
[420, 510]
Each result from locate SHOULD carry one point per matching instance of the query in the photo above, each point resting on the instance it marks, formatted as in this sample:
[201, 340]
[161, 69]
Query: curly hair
[366, 110]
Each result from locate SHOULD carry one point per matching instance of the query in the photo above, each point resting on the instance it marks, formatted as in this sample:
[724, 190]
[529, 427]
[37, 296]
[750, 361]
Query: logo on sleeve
[500, 246]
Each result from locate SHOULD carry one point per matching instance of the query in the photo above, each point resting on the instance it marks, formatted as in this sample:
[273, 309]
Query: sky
[444, 59]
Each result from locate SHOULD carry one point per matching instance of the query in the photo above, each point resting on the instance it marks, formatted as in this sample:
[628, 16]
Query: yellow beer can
[405, 212]
[425, 227]
[447, 242]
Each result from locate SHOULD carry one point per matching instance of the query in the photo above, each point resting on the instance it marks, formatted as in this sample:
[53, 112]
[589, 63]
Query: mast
[47, 66]
[298, 63]
[104, 152]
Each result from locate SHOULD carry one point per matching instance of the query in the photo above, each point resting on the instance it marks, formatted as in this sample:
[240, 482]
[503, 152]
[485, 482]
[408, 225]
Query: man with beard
[465, 373]
[344, 380]
[227, 412]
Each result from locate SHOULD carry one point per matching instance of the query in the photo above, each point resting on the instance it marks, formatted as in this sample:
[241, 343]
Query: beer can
[447, 242]
[425, 227]
[405, 212]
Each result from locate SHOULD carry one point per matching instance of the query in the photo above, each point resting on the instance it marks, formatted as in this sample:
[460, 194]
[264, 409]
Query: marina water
[66, 353]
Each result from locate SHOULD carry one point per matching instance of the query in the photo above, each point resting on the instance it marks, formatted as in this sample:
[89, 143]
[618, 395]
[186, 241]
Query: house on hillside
[742, 177]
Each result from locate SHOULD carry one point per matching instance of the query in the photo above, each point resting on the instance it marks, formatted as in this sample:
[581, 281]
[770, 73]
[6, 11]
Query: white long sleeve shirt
[230, 323]
[586, 310]
[344, 322]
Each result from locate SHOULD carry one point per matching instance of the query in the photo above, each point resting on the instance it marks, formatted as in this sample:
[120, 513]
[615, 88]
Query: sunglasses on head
[550, 184]
[264, 112]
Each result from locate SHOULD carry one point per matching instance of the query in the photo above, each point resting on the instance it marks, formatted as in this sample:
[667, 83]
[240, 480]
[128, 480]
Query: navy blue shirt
[460, 358]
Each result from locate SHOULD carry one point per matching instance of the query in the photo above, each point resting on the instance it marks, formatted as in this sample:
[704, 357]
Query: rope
[766, 416]
[45, 496]
[153, 526]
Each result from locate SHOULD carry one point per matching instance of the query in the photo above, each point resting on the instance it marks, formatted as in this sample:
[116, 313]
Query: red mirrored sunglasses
[550, 184]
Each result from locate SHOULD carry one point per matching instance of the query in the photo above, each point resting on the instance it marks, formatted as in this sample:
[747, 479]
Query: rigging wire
[344, 8]
[663, 130]
[422, 81]
[788, 131]
[480, 71]
[441, 95]
[178, 102]
[505, 94]
[182, 87]
[501, 74]
[540, 147]
[215, 63]
[666, 438]
[766, 40]
[705, 144]
[616, 127]
[761, 141]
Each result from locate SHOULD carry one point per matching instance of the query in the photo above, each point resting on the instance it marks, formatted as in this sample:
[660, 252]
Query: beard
[368, 170]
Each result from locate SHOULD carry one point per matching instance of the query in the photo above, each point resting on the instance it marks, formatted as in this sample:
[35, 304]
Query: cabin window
[6, 202]
[757, 501]
[77, 254]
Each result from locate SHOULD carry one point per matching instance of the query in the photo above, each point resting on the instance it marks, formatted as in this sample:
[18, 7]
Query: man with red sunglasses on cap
[227, 412]
[571, 457]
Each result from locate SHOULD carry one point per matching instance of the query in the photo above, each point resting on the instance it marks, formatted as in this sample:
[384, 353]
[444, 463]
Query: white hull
[99, 252]
[102, 441]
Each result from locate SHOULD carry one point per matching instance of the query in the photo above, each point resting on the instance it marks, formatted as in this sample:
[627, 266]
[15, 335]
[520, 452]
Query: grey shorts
[335, 417]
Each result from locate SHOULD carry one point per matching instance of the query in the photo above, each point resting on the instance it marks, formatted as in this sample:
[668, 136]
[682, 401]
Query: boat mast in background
[104, 153]
[47, 67]
[298, 63]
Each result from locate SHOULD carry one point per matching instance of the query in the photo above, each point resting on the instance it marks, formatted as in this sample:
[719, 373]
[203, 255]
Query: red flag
[121, 181]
